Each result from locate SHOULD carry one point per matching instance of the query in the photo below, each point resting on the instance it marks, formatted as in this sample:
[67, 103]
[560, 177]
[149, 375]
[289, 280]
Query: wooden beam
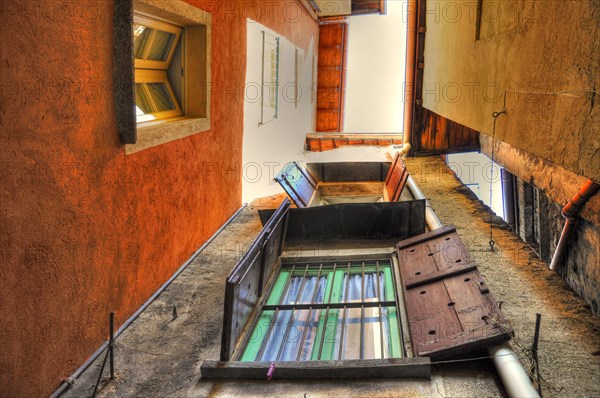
[347, 369]
[309, 9]
[385, 136]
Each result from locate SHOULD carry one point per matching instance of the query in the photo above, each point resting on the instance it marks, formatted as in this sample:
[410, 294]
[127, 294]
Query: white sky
[375, 78]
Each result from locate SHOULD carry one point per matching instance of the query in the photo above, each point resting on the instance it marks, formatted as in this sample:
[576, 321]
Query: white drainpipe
[514, 378]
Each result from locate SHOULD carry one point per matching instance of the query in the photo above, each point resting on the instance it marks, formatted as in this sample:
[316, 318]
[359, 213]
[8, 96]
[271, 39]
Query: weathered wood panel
[360, 7]
[391, 220]
[298, 183]
[331, 76]
[449, 306]
[246, 281]
[435, 134]
[325, 142]
[346, 369]
[396, 179]
[349, 171]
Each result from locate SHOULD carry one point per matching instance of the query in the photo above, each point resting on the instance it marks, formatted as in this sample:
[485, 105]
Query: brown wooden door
[396, 179]
[331, 76]
[449, 306]
[434, 134]
[298, 183]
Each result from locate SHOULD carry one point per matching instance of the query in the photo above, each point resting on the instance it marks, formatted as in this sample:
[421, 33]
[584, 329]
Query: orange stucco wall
[84, 228]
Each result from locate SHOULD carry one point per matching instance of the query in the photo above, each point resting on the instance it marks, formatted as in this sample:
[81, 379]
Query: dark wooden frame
[246, 282]
[346, 369]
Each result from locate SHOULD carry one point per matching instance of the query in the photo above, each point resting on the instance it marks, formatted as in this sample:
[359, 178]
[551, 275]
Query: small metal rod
[111, 345]
[291, 320]
[263, 346]
[322, 306]
[100, 375]
[362, 311]
[380, 310]
[321, 343]
[314, 296]
[263, 259]
[534, 351]
[345, 314]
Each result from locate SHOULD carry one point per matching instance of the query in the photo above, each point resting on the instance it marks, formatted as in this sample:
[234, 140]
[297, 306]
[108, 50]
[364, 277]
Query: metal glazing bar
[321, 342]
[274, 319]
[362, 312]
[261, 352]
[355, 263]
[380, 310]
[345, 314]
[291, 321]
[333, 306]
[314, 296]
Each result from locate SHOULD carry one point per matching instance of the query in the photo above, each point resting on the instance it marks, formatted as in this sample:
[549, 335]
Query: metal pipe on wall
[432, 220]
[570, 212]
[409, 73]
[71, 380]
[514, 378]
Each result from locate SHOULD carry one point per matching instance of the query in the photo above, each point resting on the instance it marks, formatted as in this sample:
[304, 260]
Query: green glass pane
[140, 39]
[161, 97]
[142, 102]
[161, 46]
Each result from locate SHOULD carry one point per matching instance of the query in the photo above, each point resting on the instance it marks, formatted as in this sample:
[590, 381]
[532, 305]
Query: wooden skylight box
[307, 191]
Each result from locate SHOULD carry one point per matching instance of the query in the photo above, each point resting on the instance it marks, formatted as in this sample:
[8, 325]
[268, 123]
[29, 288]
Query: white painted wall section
[375, 78]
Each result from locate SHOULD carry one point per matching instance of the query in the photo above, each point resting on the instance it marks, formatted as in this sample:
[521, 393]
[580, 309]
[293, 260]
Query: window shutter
[450, 309]
[245, 284]
[298, 183]
[396, 179]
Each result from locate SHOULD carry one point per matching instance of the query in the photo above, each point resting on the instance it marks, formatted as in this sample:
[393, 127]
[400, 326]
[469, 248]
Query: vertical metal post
[262, 82]
[534, 351]
[277, 79]
[111, 346]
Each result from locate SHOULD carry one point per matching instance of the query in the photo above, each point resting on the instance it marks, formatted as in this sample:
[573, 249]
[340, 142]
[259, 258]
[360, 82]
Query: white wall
[375, 78]
[267, 148]
[473, 169]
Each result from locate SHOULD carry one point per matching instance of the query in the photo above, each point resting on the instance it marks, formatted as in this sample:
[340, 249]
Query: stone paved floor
[159, 356]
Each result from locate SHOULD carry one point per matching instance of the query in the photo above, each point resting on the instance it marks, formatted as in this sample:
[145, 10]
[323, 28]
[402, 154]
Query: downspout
[71, 380]
[409, 74]
[514, 378]
[570, 212]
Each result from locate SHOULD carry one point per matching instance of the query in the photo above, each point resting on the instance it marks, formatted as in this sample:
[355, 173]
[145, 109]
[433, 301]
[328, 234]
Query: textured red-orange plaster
[84, 228]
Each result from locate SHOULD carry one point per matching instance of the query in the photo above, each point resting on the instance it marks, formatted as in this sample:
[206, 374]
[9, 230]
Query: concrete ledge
[348, 369]
[162, 131]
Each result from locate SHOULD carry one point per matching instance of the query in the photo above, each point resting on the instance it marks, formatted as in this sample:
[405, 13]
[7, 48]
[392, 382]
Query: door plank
[449, 306]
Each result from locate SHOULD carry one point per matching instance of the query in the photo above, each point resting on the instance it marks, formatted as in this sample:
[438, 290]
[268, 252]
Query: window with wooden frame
[154, 43]
[270, 78]
[162, 52]
[425, 300]
[334, 311]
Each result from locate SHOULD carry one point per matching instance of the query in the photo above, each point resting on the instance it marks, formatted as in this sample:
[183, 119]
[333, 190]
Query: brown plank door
[331, 76]
[449, 306]
[396, 179]
[298, 183]
[434, 134]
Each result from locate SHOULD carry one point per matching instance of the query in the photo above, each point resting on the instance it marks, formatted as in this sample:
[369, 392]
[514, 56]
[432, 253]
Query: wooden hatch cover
[396, 179]
[298, 183]
[450, 309]
[245, 284]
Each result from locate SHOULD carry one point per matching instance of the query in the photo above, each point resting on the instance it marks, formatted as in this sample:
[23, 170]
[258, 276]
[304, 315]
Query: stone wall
[581, 264]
